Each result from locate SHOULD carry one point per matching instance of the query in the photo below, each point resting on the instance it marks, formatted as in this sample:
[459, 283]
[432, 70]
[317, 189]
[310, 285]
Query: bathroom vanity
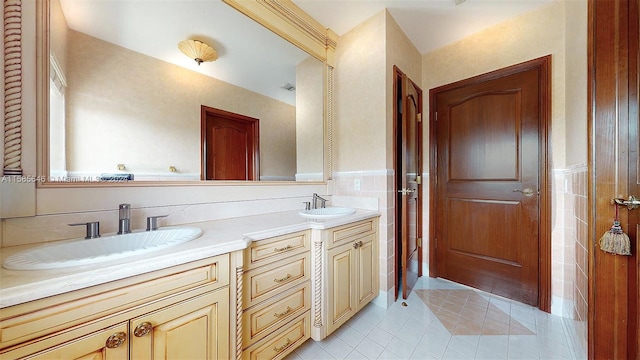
[248, 288]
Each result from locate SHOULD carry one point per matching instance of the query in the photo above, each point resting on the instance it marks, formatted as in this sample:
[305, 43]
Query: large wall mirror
[124, 100]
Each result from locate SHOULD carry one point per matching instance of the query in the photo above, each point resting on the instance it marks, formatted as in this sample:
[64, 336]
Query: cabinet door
[366, 273]
[193, 329]
[107, 344]
[342, 285]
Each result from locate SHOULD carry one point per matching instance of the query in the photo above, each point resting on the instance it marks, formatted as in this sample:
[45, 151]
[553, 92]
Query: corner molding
[12, 164]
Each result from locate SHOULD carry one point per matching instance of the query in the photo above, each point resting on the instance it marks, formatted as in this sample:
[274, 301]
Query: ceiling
[251, 57]
[429, 24]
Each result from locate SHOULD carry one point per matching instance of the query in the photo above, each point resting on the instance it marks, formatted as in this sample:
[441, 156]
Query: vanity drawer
[281, 343]
[262, 252]
[270, 280]
[351, 231]
[268, 316]
[41, 317]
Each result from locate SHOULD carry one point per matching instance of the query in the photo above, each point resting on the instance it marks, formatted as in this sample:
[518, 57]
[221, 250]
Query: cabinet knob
[143, 329]
[357, 244]
[116, 340]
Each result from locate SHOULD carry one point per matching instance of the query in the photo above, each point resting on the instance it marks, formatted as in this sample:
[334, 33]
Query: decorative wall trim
[12, 87]
[329, 123]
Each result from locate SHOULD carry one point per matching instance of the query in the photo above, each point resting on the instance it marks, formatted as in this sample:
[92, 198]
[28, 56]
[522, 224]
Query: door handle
[631, 204]
[525, 192]
[406, 191]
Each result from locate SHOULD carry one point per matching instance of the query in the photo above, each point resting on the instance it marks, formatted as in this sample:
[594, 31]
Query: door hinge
[419, 180]
[436, 116]
[420, 117]
[419, 242]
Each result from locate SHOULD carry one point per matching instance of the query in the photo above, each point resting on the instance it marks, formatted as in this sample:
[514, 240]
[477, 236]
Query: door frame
[545, 171]
[254, 167]
[397, 213]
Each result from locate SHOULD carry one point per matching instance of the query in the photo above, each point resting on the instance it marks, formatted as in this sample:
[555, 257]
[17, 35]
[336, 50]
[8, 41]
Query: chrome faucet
[316, 198]
[124, 219]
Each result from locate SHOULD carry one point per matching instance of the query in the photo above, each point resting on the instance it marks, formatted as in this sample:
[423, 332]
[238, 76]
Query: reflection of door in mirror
[230, 146]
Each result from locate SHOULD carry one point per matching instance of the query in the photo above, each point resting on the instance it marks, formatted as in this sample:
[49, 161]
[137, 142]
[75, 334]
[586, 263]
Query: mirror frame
[282, 17]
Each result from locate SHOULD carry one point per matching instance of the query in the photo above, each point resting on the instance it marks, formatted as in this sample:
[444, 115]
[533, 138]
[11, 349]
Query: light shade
[197, 50]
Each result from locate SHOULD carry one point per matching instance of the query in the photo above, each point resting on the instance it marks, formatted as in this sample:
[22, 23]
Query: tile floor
[444, 320]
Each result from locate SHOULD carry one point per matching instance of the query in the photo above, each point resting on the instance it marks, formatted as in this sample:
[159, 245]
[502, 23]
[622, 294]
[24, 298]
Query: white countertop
[218, 237]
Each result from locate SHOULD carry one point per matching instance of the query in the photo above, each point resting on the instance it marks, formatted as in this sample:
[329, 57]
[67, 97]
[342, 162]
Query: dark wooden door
[614, 171]
[487, 192]
[229, 146]
[409, 187]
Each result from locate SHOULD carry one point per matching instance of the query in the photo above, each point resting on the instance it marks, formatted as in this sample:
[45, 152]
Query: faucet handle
[93, 229]
[152, 222]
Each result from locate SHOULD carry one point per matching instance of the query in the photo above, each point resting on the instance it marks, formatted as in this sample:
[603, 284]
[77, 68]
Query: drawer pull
[116, 340]
[288, 247]
[357, 244]
[283, 313]
[283, 279]
[143, 329]
[279, 349]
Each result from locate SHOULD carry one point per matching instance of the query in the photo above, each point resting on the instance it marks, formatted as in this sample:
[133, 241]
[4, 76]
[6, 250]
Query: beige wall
[360, 97]
[576, 82]
[128, 108]
[401, 52]
[309, 119]
[58, 34]
[529, 36]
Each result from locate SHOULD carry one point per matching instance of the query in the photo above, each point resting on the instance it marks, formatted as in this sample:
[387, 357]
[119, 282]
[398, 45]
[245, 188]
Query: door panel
[367, 277]
[192, 329]
[483, 146]
[342, 292]
[479, 216]
[409, 196]
[228, 155]
[230, 148]
[487, 185]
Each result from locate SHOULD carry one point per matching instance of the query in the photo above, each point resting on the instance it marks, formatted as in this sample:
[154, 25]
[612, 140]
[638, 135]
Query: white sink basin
[92, 251]
[327, 213]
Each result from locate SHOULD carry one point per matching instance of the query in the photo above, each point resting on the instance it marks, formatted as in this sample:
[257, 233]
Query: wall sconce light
[197, 50]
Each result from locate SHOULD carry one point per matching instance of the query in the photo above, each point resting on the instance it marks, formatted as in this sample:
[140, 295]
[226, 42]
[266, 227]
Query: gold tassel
[615, 241]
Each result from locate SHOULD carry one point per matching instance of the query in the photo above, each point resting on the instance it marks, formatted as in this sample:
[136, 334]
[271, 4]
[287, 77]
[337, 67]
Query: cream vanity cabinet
[276, 316]
[351, 279]
[176, 313]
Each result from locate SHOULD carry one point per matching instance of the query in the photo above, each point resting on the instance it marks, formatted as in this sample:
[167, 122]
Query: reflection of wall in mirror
[128, 108]
[309, 119]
